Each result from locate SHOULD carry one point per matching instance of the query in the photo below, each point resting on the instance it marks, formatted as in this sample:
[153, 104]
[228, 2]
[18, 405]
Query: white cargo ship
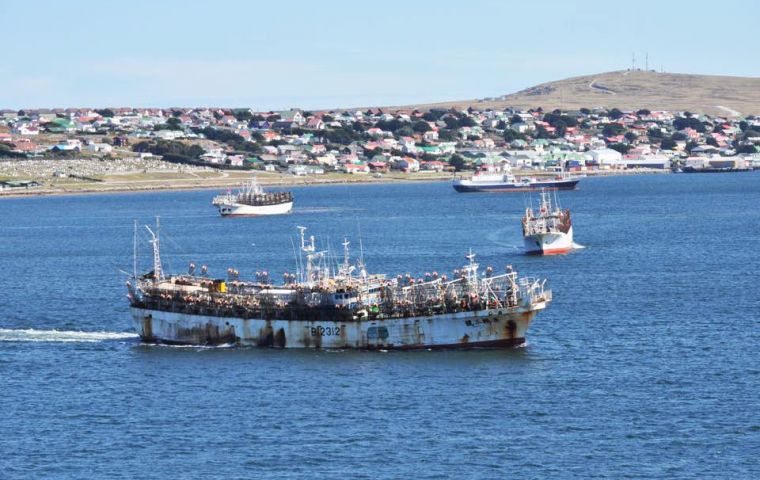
[548, 231]
[507, 182]
[345, 308]
[252, 200]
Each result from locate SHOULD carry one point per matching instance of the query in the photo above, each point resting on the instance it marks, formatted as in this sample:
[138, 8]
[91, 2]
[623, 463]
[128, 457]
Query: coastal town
[77, 149]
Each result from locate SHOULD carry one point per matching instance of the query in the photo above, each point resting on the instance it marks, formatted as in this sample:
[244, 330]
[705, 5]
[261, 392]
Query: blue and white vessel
[506, 182]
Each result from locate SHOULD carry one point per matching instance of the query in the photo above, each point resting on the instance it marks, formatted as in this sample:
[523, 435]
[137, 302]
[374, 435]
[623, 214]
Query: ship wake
[61, 336]
[578, 246]
[496, 236]
[222, 346]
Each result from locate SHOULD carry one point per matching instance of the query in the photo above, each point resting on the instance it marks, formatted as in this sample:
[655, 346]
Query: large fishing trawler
[342, 307]
[548, 231]
[252, 200]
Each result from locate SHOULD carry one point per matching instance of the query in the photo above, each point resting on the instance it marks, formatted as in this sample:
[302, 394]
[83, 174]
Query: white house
[605, 156]
[68, 145]
[214, 155]
[327, 159]
[169, 134]
[430, 135]
[408, 164]
[235, 160]
[303, 170]
[99, 147]
[26, 129]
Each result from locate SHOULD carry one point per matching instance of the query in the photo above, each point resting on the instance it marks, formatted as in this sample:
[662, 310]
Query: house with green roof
[60, 125]
[431, 150]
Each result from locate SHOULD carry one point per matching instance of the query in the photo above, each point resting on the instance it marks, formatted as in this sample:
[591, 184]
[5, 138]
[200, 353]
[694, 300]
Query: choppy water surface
[645, 365]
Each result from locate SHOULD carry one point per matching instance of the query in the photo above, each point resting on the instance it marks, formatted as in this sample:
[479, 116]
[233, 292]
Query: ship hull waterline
[501, 187]
[550, 243]
[242, 210]
[494, 328]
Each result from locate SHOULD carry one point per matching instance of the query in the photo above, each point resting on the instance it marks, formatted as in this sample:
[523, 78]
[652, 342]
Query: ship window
[375, 333]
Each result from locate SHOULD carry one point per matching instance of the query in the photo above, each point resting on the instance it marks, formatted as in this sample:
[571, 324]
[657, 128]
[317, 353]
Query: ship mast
[546, 202]
[362, 267]
[346, 268]
[311, 256]
[471, 272]
[134, 253]
[158, 271]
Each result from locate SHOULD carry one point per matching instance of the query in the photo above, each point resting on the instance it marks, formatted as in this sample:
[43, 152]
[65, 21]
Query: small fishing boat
[252, 200]
[548, 231]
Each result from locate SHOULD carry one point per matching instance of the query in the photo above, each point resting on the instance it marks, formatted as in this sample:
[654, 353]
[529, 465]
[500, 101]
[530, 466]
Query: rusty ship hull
[324, 308]
[490, 328]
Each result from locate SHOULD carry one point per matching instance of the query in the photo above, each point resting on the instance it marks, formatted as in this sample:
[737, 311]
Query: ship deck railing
[262, 199]
[323, 313]
[396, 301]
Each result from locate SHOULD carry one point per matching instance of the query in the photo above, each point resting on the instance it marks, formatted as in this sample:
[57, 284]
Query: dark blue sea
[646, 364]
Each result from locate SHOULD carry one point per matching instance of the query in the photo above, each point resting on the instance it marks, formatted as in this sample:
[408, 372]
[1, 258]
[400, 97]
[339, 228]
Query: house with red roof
[25, 145]
[691, 133]
[315, 123]
[433, 166]
[270, 135]
[356, 168]
[378, 167]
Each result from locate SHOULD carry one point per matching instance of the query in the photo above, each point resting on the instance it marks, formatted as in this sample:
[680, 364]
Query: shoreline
[180, 187]
[281, 181]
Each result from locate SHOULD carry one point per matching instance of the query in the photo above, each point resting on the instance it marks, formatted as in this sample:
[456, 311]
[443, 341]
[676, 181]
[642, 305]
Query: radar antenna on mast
[158, 271]
[346, 268]
[306, 248]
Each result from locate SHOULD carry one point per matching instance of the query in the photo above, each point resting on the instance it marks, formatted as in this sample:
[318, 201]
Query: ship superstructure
[252, 200]
[548, 230]
[343, 307]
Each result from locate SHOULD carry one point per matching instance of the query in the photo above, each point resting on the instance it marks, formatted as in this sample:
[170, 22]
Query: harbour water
[644, 365]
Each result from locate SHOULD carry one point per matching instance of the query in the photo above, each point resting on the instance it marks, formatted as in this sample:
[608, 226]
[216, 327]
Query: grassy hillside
[711, 94]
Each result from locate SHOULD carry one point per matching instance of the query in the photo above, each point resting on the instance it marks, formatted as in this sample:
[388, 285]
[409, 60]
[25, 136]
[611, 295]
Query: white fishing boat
[548, 231]
[252, 200]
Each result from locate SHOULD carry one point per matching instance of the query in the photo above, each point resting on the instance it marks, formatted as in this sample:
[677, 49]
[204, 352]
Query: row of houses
[407, 140]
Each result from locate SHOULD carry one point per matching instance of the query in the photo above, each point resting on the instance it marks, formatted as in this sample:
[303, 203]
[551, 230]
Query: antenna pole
[134, 253]
[295, 257]
[158, 273]
[346, 261]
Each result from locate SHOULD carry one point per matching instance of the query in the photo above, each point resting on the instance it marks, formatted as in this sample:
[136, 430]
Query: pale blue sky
[321, 54]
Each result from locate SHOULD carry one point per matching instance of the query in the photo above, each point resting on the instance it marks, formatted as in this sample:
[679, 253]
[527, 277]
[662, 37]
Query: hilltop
[633, 90]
